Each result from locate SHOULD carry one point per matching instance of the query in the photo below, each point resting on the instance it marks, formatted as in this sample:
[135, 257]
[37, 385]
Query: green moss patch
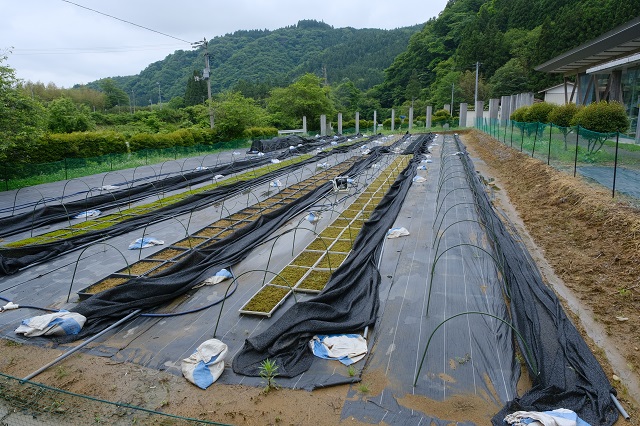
[331, 232]
[319, 244]
[266, 299]
[316, 280]
[307, 258]
[342, 245]
[333, 261]
[289, 276]
[166, 254]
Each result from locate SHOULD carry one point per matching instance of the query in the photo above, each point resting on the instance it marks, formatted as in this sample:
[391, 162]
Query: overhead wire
[125, 21]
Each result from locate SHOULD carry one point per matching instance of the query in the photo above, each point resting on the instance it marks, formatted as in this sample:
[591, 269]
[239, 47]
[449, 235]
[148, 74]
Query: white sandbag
[206, 364]
[145, 242]
[61, 323]
[397, 232]
[346, 348]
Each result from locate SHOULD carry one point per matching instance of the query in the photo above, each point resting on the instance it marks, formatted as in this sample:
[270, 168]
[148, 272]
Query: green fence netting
[610, 159]
[19, 175]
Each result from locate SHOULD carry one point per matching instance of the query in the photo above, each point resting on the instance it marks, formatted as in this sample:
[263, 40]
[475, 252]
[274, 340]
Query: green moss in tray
[320, 244]
[331, 232]
[342, 245]
[190, 242]
[105, 284]
[166, 254]
[349, 214]
[341, 223]
[335, 258]
[316, 280]
[139, 268]
[307, 258]
[266, 299]
[289, 276]
[208, 232]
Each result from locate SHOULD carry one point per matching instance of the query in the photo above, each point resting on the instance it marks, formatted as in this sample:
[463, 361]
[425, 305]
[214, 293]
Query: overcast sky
[60, 42]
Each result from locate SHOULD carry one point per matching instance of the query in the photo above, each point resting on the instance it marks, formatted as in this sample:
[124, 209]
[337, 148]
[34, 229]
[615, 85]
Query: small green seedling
[268, 371]
[351, 371]
[363, 388]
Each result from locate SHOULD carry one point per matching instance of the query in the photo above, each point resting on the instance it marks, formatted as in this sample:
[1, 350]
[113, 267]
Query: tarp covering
[13, 259]
[570, 376]
[349, 301]
[276, 143]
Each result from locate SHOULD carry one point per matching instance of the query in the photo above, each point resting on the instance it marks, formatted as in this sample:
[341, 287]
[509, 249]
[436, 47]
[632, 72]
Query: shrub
[539, 112]
[519, 114]
[562, 116]
[601, 118]
[441, 117]
[259, 132]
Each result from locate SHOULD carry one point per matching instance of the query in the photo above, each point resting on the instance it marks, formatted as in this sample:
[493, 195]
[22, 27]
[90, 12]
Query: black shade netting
[349, 302]
[569, 376]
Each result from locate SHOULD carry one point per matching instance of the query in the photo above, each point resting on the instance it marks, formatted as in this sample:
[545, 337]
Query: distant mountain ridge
[277, 57]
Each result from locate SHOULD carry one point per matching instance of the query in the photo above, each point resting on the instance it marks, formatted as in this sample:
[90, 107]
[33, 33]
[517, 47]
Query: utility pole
[133, 95]
[159, 96]
[476, 96]
[453, 85]
[206, 73]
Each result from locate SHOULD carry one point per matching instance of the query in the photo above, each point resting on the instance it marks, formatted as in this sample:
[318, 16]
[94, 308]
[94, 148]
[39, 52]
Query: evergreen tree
[196, 92]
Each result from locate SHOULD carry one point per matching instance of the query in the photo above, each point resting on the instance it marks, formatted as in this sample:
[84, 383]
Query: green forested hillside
[507, 37]
[274, 57]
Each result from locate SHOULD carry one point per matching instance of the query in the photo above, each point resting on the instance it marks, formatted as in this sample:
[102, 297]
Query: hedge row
[58, 146]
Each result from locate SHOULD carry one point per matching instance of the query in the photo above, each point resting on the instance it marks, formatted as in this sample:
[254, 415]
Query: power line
[87, 50]
[123, 20]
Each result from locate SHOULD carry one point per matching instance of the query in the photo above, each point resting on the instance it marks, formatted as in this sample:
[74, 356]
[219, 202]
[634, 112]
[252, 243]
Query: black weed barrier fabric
[13, 259]
[143, 293]
[48, 215]
[349, 302]
[569, 375]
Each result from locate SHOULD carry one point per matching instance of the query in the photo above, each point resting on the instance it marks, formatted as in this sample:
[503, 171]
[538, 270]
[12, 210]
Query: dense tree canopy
[22, 118]
[306, 97]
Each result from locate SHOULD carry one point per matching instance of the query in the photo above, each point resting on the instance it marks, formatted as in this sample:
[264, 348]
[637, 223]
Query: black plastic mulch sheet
[48, 215]
[13, 259]
[569, 374]
[105, 308]
[349, 302]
